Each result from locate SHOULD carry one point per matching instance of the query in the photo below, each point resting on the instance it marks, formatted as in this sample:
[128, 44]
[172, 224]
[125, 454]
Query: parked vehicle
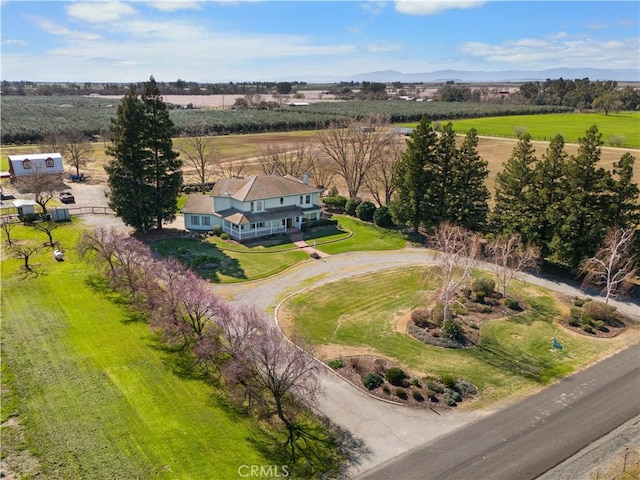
[67, 197]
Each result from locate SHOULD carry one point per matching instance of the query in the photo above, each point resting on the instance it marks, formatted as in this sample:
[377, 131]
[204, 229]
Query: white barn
[23, 165]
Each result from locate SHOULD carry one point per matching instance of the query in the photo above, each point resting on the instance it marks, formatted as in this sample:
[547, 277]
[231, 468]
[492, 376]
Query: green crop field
[570, 125]
[95, 394]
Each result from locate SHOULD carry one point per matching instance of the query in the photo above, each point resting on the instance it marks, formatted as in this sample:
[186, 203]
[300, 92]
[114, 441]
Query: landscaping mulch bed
[417, 389]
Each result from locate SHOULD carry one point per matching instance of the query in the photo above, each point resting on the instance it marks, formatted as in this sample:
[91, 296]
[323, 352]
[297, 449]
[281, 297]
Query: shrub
[431, 394]
[448, 381]
[372, 381]
[478, 307]
[401, 393]
[479, 296]
[351, 206]
[448, 399]
[417, 396]
[386, 390]
[333, 192]
[336, 364]
[575, 312]
[323, 222]
[453, 394]
[420, 316]
[600, 311]
[435, 386]
[365, 211]
[600, 325]
[579, 302]
[415, 382]
[382, 217]
[466, 291]
[466, 387]
[451, 330]
[574, 322]
[396, 376]
[483, 284]
[587, 328]
[355, 364]
[224, 236]
[437, 314]
[512, 304]
[336, 203]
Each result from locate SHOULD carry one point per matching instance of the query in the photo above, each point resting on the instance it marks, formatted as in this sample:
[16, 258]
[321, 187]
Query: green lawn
[365, 236]
[571, 125]
[515, 353]
[96, 396]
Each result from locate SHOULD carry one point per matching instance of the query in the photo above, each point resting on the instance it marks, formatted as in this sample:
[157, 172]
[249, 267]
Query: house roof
[198, 203]
[261, 187]
[34, 156]
[236, 216]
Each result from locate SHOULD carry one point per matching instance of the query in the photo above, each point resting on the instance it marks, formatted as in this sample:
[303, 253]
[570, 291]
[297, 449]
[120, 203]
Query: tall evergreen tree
[412, 176]
[512, 212]
[441, 179]
[584, 209]
[547, 194]
[624, 203]
[144, 171]
[469, 203]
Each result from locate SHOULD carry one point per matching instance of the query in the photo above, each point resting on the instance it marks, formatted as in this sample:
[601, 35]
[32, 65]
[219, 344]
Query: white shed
[25, 207]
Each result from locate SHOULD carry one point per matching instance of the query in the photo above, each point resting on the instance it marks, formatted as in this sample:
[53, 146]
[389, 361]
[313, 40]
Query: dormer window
[26, 164]
[49, 162]
[256, 206]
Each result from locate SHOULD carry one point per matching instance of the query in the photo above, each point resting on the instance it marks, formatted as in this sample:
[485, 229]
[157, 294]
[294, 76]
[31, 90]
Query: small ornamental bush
[478, 307]
[466, 292]
[224, 236]
[365, 211]
[448, 399]
[437, 314]
[511, 304]
[217, 230]
[401, 393]
[420, 316]
[575, 312]
[600, 325]
[453, 394]
[396, 376]
[579, 302]
[451, 330]
[574, 322]
[417, 396]
[600, 311]
[382, 217]
[483, 284]
[351, 206]
[372, 381]
[431, 394]
[336, 364]
[448, 381]
[386, 390]
[587, 328]
[355, 364]
[379, 365]
[336, 202]
[466, 387]
[415, 382]
[479, 297]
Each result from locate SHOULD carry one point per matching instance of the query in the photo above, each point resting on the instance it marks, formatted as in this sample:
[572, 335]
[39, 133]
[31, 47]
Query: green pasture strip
[97, 397]
[514, 353]
[571, 126]
[234, 265]
[366, 236]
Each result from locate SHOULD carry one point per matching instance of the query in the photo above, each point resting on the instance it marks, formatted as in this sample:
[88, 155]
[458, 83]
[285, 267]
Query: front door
[289, 222]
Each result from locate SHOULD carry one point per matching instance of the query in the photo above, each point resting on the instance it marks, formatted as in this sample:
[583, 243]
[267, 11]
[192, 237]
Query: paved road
[532, 436]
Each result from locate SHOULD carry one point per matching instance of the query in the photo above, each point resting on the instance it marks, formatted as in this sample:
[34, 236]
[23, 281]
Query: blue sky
[220, 41]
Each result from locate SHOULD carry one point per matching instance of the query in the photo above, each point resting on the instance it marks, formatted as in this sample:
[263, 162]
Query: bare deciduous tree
[379, 180]
[457, 250]
[613, 266]
[25, 251]
[294, 160]
[201, 155]
[99, 245]
[76, 149]
[232, 168]
[322, 171]
[43, 186]
[7, 225]
[509, 256]
[355, 149]
[47, 227]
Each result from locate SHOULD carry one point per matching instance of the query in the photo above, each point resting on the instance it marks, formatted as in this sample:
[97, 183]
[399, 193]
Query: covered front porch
[248, 225]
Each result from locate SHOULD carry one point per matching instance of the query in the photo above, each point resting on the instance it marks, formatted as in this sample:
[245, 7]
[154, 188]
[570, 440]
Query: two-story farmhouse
[254, 206]
[24, 165]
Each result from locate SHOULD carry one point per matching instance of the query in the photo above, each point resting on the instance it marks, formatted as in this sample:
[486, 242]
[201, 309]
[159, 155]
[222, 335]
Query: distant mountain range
[620, 75]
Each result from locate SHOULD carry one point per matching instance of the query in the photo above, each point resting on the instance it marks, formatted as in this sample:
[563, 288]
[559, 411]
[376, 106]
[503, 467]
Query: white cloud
[12, 41]
[99, 12]
[173, 5]
[432, 7]
[557, 51]
[59, 30]
[373, 8]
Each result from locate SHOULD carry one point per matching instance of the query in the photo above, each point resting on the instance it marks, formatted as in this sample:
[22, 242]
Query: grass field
[571, 126]
[96, 396]
[360, 312]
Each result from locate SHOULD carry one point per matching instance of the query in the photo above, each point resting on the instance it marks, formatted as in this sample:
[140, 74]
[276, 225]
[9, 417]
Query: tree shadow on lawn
[203, 257]
[100, 285]
[516, 362]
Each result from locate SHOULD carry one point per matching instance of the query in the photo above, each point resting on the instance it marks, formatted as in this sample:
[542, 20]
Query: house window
[260, 225]
[195, 220]
[49, 162]
[300, 199]
[259, 206]
[26, 164]
[206, 221]
[281, 200]
[307, 199]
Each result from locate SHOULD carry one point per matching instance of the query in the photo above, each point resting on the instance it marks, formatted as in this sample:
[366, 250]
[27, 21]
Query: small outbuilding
[24, 165]
[25, 207]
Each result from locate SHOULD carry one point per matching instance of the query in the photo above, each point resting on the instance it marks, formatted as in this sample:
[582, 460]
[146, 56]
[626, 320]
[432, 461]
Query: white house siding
[194, 221]
[37, 162]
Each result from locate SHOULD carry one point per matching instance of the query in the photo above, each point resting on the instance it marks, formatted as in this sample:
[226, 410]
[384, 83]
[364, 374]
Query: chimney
[305, 178]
